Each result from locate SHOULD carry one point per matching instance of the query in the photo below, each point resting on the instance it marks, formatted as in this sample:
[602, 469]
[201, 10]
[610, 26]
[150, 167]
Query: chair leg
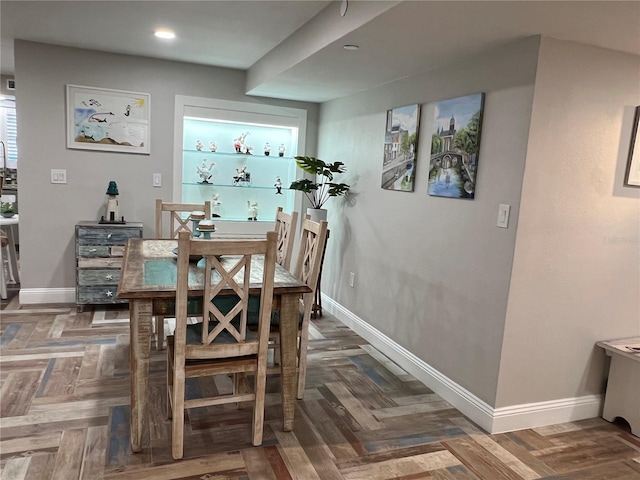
[302, 362]
[177, 424]
[258, 408]
[276, 350]
[160, 332]
[169, 377]
[3, 280]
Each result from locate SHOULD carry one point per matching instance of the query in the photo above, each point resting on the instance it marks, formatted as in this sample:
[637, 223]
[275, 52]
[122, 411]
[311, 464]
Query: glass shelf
[237, 179]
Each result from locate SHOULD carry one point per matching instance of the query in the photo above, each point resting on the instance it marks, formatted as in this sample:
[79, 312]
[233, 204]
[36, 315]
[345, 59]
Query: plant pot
[8, 214]
[317, 214]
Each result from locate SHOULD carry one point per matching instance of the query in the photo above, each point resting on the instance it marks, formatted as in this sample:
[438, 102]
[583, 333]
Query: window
[8, 134]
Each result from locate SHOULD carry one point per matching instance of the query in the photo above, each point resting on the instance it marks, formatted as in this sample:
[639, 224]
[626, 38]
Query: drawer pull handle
[93, 250]
[108, 277]
[109, 293]
[108, 235]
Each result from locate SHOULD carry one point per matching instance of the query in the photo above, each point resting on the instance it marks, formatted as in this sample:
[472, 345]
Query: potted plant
[322, 186]
[8, 209]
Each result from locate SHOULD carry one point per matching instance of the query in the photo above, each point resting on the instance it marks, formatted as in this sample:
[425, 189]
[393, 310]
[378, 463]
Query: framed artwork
[108, 120]
[455, 144]
[401, 148]
[632, 175]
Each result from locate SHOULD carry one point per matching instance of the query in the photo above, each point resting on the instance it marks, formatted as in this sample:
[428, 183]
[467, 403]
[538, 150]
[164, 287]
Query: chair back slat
[225, 315]
[286, 229]
[312, 242]
[176, 223]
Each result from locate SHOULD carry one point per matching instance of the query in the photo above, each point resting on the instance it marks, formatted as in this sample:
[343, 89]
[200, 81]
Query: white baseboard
[492, 420]
[30, 296]
[540, 414]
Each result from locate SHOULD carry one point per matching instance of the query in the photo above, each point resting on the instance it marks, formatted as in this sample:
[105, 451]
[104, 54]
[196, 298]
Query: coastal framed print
[455, 145]
[401, 148]
[632, 174]
[107, 120]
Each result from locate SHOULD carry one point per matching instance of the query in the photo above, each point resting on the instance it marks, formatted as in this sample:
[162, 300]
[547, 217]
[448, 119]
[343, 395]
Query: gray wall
[576, 273]
[438, 277]
[432, 273]
[49, 212]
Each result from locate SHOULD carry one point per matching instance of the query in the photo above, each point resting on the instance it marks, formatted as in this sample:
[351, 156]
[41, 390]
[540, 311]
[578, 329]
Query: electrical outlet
[352, 279]
[157, 179]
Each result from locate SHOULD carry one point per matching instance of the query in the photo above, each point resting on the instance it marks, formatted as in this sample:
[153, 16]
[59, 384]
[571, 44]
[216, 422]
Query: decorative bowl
[8, 214]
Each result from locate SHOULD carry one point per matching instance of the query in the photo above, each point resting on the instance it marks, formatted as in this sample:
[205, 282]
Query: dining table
[148, 281]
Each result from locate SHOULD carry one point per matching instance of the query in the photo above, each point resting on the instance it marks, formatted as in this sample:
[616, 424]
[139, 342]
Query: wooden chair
[221, 344]
[308, 265]
[286, 230]
[176, 224]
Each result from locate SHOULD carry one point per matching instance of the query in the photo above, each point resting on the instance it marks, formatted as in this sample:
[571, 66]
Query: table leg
[288, 356]
[139, 351]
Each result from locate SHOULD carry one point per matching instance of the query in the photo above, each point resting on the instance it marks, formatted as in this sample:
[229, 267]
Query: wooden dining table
[148, 280]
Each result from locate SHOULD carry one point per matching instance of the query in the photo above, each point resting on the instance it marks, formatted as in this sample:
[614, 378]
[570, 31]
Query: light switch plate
[503, 215]
[58, 175]
[157, 179]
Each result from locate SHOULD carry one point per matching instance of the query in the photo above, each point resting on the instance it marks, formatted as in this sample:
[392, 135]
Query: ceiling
[294, 49]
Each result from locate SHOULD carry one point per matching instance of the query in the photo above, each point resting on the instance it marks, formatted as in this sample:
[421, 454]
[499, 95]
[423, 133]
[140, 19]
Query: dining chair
[176, 224]
[286, 229]
[222, 344]
[307, 268]
[176, 212]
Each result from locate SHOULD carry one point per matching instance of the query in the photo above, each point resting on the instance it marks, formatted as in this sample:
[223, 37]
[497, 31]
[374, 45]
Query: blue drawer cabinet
[99, 250]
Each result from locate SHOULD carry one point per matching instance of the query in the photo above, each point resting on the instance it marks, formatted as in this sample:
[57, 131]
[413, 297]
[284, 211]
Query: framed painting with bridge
[455, 145]
[107, 120]
[401, 148]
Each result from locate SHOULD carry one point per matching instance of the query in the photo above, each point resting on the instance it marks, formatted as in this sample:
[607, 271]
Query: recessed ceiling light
[351, 47]
[164, 34]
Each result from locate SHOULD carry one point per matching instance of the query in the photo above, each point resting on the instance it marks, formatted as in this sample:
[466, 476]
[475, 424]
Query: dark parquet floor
[64, 415]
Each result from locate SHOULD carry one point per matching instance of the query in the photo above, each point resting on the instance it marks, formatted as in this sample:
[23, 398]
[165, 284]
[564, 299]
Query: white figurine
[215, 206]
[267, 149]
[199, 146]
[213, 147]
[278, 186]
[242, 175]
[238, 143]
[252, 212]
[281, 150]
[205, 171]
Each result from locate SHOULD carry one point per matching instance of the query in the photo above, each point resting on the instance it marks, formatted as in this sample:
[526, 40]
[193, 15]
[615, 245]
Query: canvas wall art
[632, 174]
[401, 148]
[108, 120]
[455, 144]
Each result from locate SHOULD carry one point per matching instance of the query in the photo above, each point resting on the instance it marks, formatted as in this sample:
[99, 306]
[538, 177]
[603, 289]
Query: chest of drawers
[99, 250]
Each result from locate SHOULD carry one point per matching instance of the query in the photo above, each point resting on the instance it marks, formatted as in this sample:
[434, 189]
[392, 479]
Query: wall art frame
[455, 146]
[632, 173]
[401, 148]
[108, 120]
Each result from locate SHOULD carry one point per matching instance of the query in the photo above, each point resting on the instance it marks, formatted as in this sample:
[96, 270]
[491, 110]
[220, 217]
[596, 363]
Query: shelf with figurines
[220, 161]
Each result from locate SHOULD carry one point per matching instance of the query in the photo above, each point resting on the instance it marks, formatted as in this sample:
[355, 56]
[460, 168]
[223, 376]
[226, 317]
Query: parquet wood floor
[64, 408]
